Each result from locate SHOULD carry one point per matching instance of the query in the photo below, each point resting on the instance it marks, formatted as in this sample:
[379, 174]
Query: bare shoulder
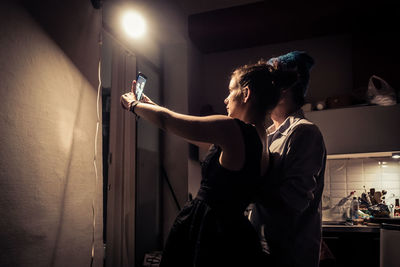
[233, 154]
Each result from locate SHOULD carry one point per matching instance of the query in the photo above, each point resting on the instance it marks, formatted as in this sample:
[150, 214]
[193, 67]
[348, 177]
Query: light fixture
[134, 25]
[96, 3]
[396, 155]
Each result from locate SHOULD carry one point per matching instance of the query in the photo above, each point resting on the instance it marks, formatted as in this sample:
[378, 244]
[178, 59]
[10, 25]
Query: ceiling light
[134, 25]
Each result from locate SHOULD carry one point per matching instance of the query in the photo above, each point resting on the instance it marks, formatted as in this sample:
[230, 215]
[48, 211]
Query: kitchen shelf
[362, 155]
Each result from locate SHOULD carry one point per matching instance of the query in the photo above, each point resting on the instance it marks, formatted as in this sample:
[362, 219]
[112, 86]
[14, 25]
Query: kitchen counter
[371, 228]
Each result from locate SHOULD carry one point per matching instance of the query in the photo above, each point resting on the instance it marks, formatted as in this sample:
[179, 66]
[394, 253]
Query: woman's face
[233, 101]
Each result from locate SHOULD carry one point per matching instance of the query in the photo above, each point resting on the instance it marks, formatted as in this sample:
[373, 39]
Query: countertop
[370, 228]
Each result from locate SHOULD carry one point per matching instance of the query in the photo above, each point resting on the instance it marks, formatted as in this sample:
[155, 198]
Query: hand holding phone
[140, 83]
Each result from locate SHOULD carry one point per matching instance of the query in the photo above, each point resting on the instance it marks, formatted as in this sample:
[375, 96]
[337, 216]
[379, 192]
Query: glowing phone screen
[140, 82]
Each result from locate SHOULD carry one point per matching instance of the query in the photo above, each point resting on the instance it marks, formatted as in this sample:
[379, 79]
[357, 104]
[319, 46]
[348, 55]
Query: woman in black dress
[212, 230]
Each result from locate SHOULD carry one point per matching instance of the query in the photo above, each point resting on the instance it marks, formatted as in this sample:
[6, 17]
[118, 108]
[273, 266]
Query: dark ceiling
[267, 22]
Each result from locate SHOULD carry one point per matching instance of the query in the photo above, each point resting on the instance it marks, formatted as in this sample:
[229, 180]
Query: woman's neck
[255, 119]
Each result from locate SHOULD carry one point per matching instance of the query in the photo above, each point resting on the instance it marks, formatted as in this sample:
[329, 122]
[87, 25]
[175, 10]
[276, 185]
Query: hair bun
[293, 61]
[298, 62]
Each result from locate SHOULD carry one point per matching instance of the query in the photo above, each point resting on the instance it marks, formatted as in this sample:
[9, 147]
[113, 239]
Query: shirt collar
[285, 126]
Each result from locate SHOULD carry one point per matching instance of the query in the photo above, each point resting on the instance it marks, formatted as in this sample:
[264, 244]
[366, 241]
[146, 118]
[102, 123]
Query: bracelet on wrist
[132, 108]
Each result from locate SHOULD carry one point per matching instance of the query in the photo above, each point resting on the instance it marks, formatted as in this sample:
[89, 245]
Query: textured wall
[47, 129]
[331, 75]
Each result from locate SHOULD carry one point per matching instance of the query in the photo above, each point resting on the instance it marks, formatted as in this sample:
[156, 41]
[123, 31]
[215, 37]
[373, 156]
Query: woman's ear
[246, 94]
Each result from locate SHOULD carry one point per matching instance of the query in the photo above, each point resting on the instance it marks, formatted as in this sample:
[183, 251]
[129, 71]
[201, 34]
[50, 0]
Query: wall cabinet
[361, 129]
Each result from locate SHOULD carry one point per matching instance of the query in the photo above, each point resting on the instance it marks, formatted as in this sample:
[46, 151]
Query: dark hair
[300, 63]
[265, 82]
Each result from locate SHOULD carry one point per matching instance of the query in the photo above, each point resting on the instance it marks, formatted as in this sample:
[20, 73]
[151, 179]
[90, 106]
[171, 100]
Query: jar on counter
[396, 211]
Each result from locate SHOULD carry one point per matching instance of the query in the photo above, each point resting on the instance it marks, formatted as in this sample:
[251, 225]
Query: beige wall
[48, 87]
[331, 75]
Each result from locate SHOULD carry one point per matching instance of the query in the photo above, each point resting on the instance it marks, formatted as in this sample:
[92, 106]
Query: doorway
[131, 157]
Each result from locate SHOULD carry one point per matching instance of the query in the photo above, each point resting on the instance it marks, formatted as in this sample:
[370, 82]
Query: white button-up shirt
[288, 212]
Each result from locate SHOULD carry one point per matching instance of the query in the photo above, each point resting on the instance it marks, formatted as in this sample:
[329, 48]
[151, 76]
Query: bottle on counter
[396, 211]
[354, 206]
[343, 207]
[366, 197]
[372, 196]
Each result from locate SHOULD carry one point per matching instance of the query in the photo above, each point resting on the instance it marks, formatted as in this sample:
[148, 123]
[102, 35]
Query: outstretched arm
[203, 145]
[217, 129]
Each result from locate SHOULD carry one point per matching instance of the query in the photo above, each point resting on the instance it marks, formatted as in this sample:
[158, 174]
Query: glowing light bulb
[134, 25]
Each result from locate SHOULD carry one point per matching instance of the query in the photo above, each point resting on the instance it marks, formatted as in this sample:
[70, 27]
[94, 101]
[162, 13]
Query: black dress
[211, 230]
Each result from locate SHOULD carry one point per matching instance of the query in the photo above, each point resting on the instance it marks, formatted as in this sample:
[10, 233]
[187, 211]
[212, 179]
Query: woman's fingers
[122, 100]
[127, 99]
[147, 100]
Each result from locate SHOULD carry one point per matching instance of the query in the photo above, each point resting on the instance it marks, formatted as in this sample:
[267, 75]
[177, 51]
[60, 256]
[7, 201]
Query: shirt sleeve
[305, 156]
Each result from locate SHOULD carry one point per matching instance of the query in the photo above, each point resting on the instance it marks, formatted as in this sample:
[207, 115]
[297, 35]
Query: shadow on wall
[47, 124]
[66, 181]
[79, 34]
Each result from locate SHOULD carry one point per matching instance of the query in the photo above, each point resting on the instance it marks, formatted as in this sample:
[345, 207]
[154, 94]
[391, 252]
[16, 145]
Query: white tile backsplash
[355, 178]
[371, 166]
[356, 186]
[393, 194]
[327, 187]
[343, 176]
[390, 184]
[338, 193]
[390, 177]
[338, 186]
[377, 185]
[354, 167]
[390, 167]
[335, 178]
[372, 177]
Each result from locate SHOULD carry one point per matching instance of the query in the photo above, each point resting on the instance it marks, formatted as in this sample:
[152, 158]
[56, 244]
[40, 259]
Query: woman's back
[226, 186]
[212, 230]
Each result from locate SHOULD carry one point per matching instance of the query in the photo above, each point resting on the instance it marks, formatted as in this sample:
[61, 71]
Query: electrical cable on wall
[94, 163]
[95, 148]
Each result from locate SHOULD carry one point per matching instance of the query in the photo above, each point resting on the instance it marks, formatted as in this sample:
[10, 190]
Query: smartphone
[140, 83]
